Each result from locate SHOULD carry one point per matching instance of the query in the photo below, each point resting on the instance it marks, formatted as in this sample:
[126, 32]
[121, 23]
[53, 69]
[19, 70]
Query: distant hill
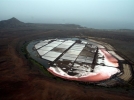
[13, 22]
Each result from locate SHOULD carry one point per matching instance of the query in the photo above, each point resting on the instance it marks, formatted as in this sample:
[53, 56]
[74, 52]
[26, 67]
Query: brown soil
[21, 81]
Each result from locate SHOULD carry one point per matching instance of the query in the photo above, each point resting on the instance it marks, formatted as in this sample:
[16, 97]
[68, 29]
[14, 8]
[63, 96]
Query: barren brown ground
[21, 81]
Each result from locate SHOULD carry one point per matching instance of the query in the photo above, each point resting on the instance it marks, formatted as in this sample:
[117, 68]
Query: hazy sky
[107, 14]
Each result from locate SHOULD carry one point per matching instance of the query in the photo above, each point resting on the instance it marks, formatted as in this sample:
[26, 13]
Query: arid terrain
[22, 80]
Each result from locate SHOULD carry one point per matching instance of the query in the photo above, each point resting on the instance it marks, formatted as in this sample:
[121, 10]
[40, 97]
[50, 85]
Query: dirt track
[19, 81]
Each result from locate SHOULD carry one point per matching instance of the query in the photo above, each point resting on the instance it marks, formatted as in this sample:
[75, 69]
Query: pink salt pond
[99, 72]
